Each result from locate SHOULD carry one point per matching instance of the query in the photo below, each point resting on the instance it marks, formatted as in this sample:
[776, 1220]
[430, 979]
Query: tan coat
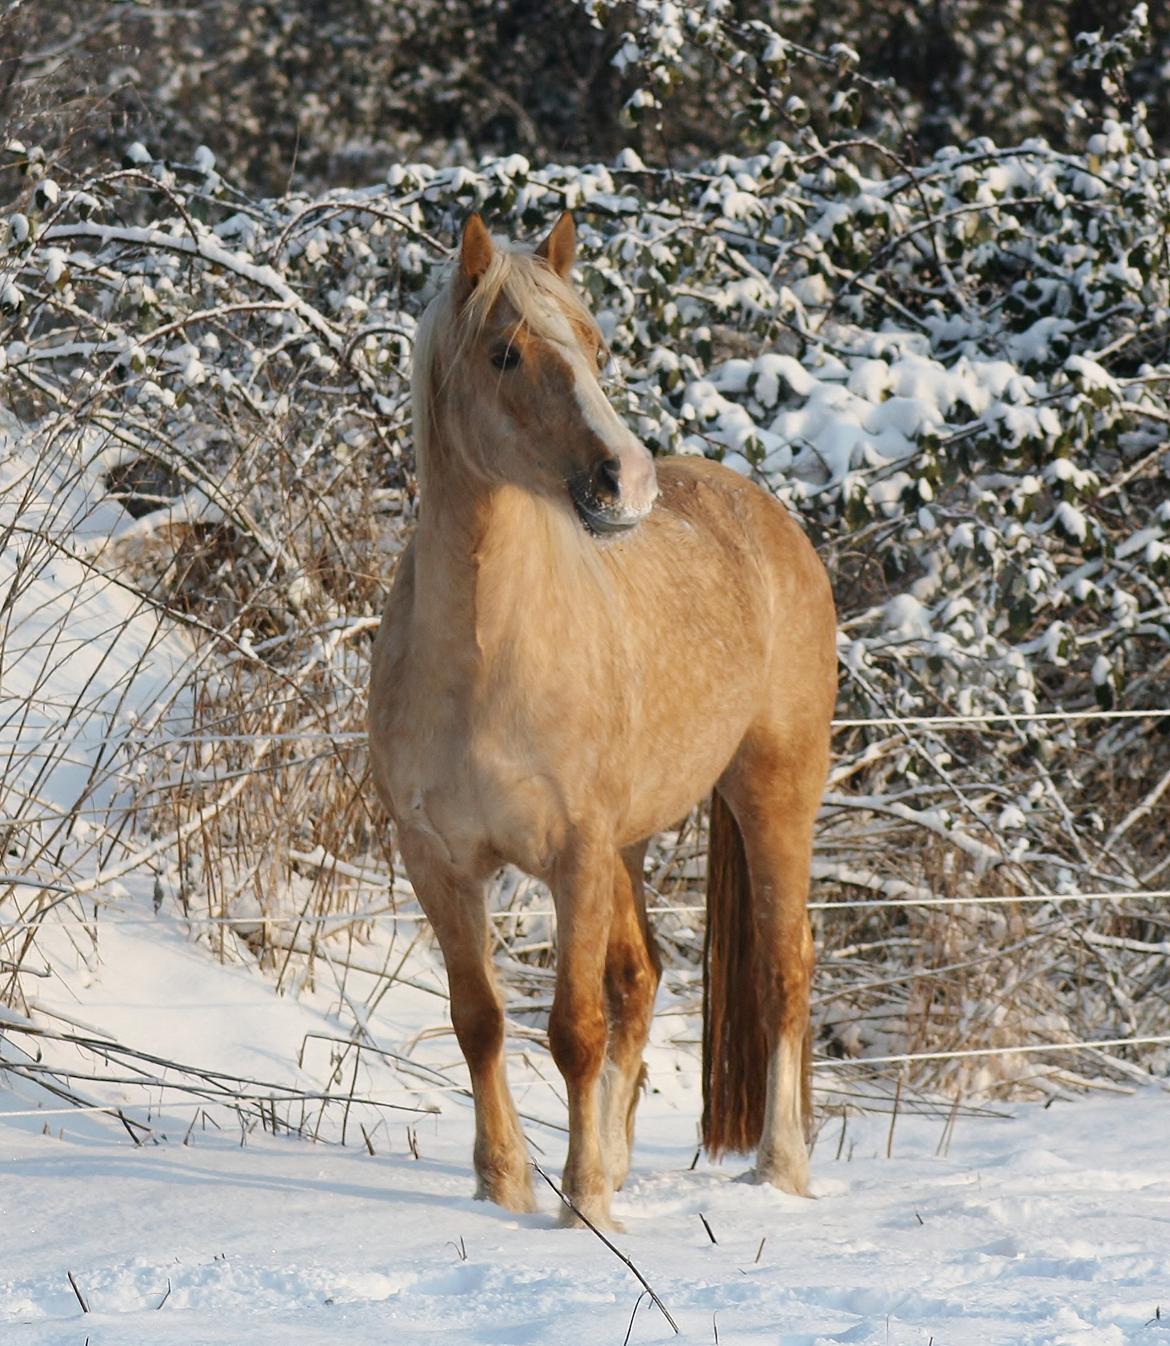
[580, 643]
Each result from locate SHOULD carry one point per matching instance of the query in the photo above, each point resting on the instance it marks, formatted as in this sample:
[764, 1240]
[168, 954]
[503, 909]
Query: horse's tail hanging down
[735, 1049]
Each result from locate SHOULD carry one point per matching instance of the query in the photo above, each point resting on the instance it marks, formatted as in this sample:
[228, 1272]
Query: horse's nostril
[607, 479]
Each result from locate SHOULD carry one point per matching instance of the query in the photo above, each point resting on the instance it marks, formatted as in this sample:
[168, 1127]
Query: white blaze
[639, 482]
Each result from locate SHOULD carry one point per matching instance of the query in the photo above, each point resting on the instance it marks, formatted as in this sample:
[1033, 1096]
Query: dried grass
[258, 827]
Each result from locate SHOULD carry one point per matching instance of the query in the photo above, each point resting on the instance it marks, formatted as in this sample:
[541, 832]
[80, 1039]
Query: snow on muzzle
[618, 488]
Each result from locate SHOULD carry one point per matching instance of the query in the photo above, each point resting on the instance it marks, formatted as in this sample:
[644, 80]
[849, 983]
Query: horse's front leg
[455, 907]
[583, 893]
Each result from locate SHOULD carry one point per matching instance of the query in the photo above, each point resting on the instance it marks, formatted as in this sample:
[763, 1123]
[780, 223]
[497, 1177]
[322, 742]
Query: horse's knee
[577, 1036]
[479, 1028]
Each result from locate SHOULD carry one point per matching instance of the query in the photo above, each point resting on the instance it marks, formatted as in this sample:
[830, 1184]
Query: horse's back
[743, 519]
[761, 569]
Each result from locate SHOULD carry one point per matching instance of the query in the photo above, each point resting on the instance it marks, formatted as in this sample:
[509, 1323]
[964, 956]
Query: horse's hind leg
[774, 798]
[455, 907]
[632, 972]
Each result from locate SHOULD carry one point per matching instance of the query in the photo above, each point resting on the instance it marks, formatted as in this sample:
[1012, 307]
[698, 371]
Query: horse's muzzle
[603, 522]
[603, 504]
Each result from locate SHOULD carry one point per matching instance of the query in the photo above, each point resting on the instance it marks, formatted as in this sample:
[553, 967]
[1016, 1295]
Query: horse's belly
[532, 788]
[497, 803]
[665, 791]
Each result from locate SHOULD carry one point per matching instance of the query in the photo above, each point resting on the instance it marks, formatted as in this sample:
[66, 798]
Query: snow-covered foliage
[304, 93]
[954, 371]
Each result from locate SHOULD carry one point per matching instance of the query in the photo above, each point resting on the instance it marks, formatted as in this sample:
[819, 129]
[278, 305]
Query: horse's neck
[500, 569]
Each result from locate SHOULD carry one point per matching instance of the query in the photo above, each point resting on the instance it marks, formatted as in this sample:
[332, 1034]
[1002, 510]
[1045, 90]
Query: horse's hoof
[515, 1195]
[784, 1180]
[595, 1209]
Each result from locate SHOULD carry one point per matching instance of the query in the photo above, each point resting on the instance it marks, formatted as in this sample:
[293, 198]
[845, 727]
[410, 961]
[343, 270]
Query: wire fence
[963, 1053]
[386, 915]
[995, 717]
[948, 721]
[343, 919]
[358, 877]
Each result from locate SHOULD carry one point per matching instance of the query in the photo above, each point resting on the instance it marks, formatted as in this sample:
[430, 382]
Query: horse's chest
[478, 784]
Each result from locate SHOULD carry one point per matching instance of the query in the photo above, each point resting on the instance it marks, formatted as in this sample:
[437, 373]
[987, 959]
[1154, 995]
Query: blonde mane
[515, 275]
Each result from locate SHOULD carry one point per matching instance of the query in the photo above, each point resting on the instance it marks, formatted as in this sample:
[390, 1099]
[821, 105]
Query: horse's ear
[475, 252]
[560, 247]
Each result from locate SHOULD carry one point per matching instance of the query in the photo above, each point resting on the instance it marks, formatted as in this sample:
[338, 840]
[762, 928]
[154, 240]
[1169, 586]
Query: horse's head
[514, 379]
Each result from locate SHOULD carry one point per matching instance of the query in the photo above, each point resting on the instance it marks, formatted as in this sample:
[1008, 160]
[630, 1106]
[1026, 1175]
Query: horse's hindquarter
[781, 590]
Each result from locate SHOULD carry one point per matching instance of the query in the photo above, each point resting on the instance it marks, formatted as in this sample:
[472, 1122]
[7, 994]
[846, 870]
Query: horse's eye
[508, 357]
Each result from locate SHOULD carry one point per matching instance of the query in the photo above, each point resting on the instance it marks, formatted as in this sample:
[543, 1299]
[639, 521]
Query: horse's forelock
[540, 298]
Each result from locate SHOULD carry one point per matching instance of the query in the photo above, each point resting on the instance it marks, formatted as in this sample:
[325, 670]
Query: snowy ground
[1050, 1227]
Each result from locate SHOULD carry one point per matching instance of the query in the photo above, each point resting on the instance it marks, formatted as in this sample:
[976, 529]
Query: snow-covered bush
[301, 92]
[955, 372]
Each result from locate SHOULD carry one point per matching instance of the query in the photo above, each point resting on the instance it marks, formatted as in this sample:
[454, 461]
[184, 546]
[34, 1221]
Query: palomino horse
[580, 643]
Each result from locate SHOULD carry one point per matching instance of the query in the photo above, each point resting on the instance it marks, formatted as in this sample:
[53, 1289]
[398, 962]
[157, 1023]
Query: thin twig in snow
[571, 1205]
